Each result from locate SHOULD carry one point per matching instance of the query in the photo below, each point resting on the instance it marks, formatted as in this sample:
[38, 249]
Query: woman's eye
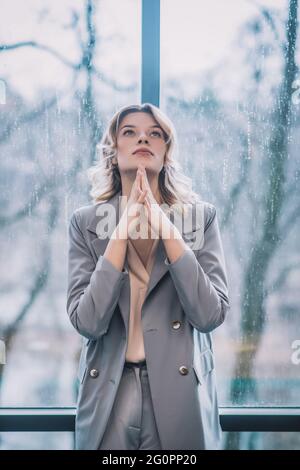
[153, 132]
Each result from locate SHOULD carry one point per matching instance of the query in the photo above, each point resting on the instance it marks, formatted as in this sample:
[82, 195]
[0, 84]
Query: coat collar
[115, 204]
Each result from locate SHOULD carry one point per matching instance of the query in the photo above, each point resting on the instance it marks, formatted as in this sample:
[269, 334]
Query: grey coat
[184, 302]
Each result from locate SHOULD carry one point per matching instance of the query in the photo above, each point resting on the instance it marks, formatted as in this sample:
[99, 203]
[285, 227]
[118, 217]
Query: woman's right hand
[132, 211]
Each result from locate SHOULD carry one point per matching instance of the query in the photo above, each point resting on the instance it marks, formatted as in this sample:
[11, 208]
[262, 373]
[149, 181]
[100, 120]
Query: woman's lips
[142, 152]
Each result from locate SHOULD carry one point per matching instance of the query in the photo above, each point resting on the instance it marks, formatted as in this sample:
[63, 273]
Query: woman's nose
[143, 137]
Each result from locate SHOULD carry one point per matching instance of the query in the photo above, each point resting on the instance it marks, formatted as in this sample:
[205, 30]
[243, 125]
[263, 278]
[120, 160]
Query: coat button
[94, 373]
[176, 324]
[183, 370]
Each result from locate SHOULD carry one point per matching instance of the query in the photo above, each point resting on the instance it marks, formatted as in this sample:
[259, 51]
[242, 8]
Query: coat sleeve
[201, 282]
[93, 289]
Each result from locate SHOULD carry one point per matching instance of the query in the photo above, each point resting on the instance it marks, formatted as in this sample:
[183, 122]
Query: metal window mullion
[150, 60]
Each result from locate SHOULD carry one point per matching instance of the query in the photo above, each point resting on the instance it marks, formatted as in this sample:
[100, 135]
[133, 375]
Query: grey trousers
[132, 425]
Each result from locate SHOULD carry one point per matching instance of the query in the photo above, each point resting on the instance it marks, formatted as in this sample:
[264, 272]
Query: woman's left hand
[157, 219]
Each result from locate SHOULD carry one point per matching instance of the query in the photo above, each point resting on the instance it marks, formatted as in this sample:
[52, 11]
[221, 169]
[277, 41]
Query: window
[225, 73]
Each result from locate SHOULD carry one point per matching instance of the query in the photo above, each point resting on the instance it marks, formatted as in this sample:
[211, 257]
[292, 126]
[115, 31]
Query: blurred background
[229, 81]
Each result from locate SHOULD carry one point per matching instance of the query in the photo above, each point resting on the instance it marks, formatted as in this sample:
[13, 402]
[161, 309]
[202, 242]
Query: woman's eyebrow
[130, 125]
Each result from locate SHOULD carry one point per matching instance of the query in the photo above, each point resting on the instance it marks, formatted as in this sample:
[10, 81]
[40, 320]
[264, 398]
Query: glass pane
[36, 441]
[229, 86]
[262, 441]
[62, 76]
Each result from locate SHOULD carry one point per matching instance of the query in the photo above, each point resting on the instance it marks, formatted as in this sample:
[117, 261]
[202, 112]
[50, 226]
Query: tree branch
[110, 82]
[267, 17]
[42, 47]
[280, 280]
[290, 221]
[34, 200]
[27, 117]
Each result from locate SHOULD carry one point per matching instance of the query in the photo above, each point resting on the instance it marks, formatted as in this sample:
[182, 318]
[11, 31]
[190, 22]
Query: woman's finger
[140, 180]
[136, 182]
[144, 194]
[145, 180]
[138, 194]
[148, 210]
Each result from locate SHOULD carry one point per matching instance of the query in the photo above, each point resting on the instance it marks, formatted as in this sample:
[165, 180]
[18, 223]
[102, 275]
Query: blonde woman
[146, 286]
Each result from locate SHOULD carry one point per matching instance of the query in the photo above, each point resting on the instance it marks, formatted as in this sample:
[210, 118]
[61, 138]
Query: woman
[145, 294]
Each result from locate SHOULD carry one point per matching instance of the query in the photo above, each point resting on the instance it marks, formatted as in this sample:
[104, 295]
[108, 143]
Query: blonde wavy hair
[174, 187]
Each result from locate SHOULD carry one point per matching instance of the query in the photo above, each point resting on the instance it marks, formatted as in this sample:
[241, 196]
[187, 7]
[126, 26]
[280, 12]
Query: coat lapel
[159, 268]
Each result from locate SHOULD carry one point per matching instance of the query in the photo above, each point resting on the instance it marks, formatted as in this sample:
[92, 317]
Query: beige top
[139, 278]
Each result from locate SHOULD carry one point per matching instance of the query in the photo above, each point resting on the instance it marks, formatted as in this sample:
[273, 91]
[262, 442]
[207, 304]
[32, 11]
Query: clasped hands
[142, 204]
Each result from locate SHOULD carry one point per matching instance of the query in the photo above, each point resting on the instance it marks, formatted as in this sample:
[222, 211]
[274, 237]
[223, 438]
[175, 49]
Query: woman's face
[137, 130]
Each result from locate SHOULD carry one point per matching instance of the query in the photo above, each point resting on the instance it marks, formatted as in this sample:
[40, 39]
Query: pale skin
[139, 178]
